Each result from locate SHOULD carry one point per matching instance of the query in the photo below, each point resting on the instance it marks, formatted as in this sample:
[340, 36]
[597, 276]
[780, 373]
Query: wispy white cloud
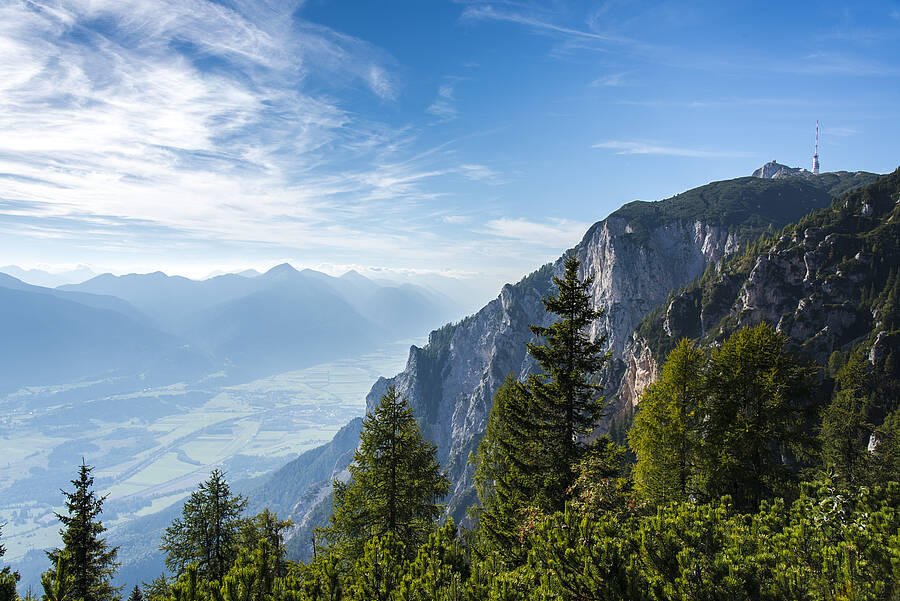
[456, 219]
[650, 148]
[560, 233]
[444, 105]
[841, 132]
[530, 17]
[611, 80]
[480, 173]
[191, 121]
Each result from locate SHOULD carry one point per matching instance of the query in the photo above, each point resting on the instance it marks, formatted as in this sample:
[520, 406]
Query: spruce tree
[90, 561]
[208, 532]
[395, 482]
[666, 433]
[564, 394]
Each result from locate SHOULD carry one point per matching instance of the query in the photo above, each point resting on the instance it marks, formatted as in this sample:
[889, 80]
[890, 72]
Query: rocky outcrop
[775, 170]
[823, 285]
[641, 369]
[451, 382]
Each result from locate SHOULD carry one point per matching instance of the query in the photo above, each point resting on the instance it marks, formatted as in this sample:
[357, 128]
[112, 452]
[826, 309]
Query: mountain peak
[775, 170]
[354, 275]
[281, 270]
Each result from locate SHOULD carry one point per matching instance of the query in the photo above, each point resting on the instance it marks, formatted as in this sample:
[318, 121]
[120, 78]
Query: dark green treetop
[136, 594]
[8, 578]
[90, 561]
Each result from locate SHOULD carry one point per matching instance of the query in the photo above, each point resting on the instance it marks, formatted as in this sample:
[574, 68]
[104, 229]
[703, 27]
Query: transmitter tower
[816, 152]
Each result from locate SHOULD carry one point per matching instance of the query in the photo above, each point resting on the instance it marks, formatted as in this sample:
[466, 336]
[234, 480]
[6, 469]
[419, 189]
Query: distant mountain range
[40, 277]
[51, 337]
[162, 327]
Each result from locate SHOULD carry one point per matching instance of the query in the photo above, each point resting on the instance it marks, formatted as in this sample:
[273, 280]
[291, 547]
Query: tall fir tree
[208, 532]
[90, 562]
[666, 433]
[395, 482]
[564, 393]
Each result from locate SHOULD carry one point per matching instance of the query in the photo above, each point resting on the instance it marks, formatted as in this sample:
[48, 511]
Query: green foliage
[885, 459]
[756, 415]
[439, 569]
[58, 584]
[208, 532]
[266, 527]
[506, 477]
[667, 432]
[87, 559]
[601, 486]
[136, 594]
[378, 572]
[395, 484]
[158, 588]
[846, 429]
[8, 578]
[826, 545]
[735, 424]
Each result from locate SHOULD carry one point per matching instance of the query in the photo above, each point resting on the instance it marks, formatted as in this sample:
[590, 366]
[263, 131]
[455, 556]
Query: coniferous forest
[747, 473]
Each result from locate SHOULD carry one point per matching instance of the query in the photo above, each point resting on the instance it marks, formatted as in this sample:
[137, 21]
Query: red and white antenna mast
[816, 155]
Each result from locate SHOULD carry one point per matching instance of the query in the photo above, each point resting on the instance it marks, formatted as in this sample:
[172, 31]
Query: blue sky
[476, 139]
